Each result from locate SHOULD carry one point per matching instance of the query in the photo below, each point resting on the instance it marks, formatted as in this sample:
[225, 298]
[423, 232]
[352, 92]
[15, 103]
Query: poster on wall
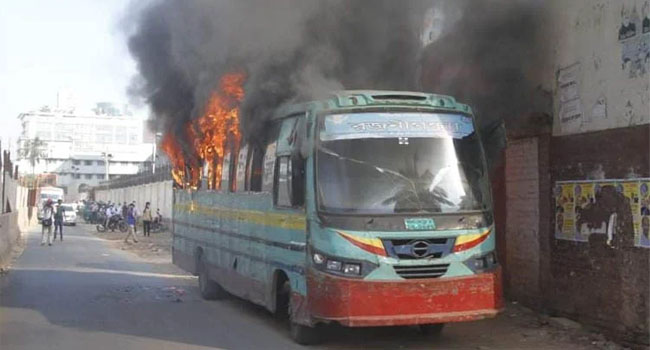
[564, 211]
[585, 195]
[572, 197]
[570, 108]
[642, 237]
[630, 190]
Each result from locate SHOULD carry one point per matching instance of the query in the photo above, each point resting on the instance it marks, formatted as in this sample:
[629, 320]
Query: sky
[64, 45]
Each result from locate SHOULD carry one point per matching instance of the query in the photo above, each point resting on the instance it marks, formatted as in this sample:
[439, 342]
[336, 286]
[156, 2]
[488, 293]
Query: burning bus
[366, 208]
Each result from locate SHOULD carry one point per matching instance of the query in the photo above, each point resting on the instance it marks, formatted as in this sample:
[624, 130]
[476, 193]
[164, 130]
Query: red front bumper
[359, 303]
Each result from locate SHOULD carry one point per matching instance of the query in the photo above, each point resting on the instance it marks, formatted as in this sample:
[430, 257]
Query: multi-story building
[81, 149]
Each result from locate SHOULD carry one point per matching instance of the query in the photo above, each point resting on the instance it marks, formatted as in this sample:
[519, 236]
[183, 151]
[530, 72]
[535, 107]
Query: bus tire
[301, 334]
[431, 329]
[209, 289]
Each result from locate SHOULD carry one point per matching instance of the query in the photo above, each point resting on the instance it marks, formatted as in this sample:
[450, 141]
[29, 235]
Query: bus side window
[225, 171]
[254, 169]
[282, 180]
[241, 170]
[269, 168]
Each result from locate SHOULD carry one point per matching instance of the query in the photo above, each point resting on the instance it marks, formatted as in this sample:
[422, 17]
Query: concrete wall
[18, 220]
[602, 67]
[600, 84]
[605, 284]
[160, 194]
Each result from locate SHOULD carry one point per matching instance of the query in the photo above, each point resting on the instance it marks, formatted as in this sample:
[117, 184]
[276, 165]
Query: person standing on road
[58, 219]
[109, 215]
[130, 220]
[136, 214]
[146, 220]
[47, 215]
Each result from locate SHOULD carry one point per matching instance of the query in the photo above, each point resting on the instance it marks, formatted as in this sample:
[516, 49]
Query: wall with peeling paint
[601, 283]
[601, 55]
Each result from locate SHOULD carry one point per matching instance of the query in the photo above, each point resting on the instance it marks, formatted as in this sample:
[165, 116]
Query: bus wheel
[210, 290]
[431, 329]
[301, 334]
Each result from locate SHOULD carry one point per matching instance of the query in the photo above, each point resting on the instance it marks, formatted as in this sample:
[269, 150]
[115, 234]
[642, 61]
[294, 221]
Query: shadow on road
[170, 309]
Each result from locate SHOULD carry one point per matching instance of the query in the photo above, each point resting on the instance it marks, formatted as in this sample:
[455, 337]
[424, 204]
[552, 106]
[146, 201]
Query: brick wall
[522, 220]
[595, 283]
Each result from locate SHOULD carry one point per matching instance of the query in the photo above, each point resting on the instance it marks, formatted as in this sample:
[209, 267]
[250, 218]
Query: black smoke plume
[300, 49]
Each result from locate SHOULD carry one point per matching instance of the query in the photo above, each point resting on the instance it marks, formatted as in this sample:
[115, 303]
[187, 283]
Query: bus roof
[349, 99]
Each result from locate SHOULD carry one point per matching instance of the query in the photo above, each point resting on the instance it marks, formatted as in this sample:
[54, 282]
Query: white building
[78, 145]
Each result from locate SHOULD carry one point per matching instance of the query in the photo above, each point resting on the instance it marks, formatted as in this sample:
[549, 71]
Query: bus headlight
[334, 265]
[318, 259]
[352, 269]
[341, 266]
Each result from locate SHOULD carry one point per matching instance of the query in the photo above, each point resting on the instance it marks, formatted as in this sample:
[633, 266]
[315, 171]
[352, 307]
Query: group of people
[131, 214]
[52, 215]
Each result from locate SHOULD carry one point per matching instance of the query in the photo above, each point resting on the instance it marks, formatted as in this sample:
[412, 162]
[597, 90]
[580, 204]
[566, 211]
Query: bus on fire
[370, 208]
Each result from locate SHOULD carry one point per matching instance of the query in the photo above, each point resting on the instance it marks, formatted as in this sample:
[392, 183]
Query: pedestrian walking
[130, 220]
[136, 214]
[146, 219]
[58, 219]
[47, 214]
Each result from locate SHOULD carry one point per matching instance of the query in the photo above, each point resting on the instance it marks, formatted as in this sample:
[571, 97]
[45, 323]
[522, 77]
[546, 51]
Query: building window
[100, 162]
[88, 176]
[77, 176]
[76, 162]
[101, 176]
[120, 137]
[88, 162]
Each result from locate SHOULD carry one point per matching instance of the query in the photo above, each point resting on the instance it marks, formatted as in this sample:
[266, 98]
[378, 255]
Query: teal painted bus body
[414, 267]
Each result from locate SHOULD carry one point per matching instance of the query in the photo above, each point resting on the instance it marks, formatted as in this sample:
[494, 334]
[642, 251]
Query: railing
[162, 173]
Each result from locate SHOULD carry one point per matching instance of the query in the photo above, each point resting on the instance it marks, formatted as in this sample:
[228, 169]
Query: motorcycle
[158, 226]
[114, 224]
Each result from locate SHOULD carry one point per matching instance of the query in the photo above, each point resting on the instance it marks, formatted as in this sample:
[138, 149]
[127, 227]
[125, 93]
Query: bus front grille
[421, 271]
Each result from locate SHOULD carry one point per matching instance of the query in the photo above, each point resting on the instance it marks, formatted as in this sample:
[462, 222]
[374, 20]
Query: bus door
[288, 194]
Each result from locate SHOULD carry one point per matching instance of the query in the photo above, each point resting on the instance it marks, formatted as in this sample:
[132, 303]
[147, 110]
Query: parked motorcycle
[114, 224]
[158, 226]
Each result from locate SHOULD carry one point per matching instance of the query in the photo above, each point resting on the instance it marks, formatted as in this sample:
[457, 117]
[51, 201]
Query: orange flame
[214, 132]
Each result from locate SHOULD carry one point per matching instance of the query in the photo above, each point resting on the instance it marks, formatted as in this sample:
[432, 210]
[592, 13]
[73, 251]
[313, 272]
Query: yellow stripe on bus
[287, 221]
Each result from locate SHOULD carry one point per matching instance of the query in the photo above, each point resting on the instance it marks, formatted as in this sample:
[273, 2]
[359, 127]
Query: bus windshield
[391, 163]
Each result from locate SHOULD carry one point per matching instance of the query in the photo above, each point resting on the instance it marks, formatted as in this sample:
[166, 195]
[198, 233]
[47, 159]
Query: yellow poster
[642, 239]
[631, 194]
[564, 211]
[585, 194]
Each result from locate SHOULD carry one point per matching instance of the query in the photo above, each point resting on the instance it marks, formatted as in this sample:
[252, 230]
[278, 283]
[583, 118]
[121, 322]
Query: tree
[33, 150]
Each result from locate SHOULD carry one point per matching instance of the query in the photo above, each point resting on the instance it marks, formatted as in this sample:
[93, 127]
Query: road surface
[85, 293]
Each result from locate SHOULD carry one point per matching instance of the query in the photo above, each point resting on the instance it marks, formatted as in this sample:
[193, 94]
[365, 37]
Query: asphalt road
[83, 293]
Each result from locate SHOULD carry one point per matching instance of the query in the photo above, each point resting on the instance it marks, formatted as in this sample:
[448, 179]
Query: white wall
[160, 194]
[601, 81]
